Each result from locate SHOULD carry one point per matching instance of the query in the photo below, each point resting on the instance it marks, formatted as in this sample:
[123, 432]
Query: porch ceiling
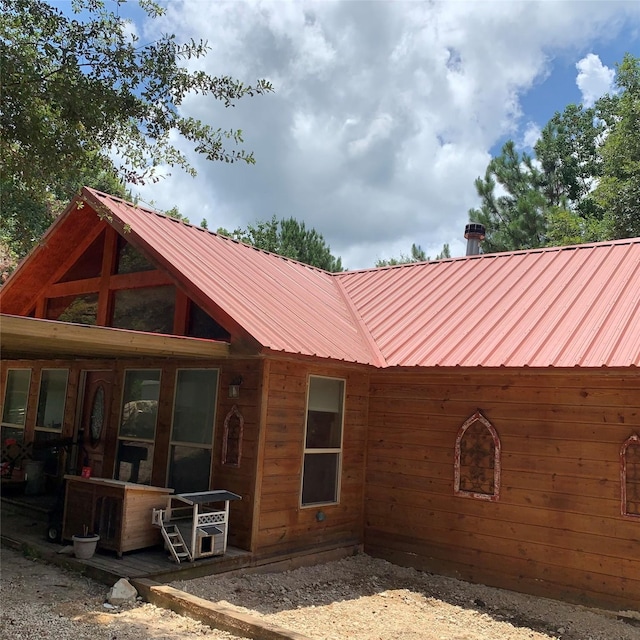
[29, 337]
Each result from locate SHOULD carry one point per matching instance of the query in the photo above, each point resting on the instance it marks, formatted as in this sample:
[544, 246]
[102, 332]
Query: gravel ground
[42, 602]
[362, 598]
[359, 598]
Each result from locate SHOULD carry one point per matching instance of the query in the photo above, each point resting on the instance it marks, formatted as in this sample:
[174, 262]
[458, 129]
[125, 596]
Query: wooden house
[477, 417]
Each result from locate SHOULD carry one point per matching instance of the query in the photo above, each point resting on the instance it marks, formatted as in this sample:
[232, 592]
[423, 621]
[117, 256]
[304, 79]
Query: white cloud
[594, 79]
[531, 135]
[383, 113]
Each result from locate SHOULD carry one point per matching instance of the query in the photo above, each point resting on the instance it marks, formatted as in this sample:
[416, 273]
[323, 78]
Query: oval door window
[97, 415]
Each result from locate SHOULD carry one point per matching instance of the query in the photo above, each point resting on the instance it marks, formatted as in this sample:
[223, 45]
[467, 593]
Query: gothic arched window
[477, 460]
[630, 477]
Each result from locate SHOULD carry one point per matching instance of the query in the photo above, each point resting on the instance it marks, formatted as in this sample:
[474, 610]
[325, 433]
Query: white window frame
[311, 451]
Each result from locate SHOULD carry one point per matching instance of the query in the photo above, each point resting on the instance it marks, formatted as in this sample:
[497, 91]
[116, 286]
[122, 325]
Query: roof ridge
[222, 236]
[498, 254]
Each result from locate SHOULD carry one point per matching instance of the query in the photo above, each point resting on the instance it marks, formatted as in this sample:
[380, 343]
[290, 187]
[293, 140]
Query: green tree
[584, 184]
[80, 89]
[417, 255]
[517, 218]
[288, 238]
[568, 153]
[618, 192]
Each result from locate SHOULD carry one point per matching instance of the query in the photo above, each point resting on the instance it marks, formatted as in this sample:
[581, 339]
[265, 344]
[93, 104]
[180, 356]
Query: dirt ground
[362, 598]
[358, 598]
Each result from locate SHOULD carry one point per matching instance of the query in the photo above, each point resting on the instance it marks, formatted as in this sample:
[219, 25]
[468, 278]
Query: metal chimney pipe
[474, 233]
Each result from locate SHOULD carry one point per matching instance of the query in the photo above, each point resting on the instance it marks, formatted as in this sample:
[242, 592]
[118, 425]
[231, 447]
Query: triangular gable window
[89, 264]
[477, 460]
[130, 260]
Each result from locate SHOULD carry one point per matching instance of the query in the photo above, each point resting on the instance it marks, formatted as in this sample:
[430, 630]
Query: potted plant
[84, 546]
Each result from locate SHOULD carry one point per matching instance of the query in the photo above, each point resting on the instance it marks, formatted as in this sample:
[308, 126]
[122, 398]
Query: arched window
[630, 477]
[477, 460]
[232, 440]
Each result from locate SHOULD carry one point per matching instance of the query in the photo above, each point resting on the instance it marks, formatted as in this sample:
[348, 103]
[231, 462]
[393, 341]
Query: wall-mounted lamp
[234, 387]
[320, 516]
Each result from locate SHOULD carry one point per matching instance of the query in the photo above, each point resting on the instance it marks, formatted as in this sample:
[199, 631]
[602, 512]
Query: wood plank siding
[556, 529]
[283, 525]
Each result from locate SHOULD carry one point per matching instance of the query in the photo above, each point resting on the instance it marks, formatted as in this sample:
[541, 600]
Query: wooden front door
[94, 414]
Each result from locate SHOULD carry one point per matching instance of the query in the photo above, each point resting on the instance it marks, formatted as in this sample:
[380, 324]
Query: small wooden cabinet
[119, 512]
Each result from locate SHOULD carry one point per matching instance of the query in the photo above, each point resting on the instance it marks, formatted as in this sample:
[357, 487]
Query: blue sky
[384, 112]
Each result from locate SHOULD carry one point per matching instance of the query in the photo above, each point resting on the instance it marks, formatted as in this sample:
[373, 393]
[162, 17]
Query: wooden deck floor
[25, 528]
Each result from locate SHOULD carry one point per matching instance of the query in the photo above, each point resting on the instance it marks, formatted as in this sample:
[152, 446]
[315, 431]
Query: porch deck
[23, 526]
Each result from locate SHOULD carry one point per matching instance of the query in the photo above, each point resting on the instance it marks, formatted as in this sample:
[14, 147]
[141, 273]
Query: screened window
[630, 457]
[192, 429]
[15, 404]
[51, 399]
[148, 309]
[323, 441]
[138, 419]
[477, 460]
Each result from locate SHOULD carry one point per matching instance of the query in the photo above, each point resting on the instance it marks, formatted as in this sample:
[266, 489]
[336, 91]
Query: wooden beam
[181, 315]
[29, 337]
[108, 266]
[74, 287]
[139, 279]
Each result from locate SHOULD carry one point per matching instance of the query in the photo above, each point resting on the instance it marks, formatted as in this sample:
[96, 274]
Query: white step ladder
[175, 543]
[172, 537]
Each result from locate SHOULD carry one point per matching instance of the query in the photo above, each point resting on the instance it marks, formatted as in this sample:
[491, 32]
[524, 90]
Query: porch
[24, 527]
[24, 521]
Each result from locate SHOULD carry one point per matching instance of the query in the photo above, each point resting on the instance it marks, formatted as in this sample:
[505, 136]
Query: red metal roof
[555, 307]
[283, 304]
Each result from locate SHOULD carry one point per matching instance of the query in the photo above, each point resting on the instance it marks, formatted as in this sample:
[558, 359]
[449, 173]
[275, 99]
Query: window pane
[195, 404]
[140, 404]
[53, 391]
[135, 461]
[201, 325]
[82, 309]
[15, 397]
[89, 265]
[323, 430]
[189, 469]
[324, 414]
[130, 260]
[148, 309]
[10, 434]
[325, 394]
[46, 452]
[320, 479]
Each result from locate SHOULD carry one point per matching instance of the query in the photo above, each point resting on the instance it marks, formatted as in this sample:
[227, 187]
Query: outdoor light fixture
[234, 387]
[320, 516]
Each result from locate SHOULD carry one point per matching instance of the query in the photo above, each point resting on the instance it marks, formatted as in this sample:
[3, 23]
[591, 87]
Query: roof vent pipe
[474, 233]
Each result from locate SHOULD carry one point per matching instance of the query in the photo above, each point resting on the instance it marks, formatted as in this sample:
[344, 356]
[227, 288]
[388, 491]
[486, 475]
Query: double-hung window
[323, 441]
